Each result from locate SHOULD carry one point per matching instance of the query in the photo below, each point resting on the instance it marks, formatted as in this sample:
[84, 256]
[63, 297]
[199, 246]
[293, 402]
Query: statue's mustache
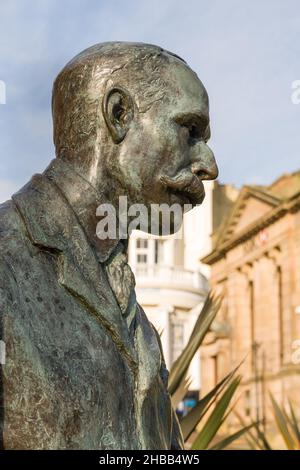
[184, 181]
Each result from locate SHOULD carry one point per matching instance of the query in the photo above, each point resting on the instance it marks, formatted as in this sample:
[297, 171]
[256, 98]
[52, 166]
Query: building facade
[255, 265]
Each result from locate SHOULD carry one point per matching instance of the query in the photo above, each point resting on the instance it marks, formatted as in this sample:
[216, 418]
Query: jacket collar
[54, 217]
[84, 200]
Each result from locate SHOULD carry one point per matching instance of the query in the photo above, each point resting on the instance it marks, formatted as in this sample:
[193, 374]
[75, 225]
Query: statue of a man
[84, 367]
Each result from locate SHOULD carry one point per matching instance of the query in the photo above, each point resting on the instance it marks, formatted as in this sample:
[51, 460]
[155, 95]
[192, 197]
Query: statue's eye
[198, 131]
[193, 131]
[196, 127]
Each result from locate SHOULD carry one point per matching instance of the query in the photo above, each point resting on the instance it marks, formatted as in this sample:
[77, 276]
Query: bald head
[80, 87]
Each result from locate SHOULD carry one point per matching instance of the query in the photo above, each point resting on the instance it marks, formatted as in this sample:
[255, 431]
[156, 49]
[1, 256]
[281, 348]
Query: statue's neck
[84, 200]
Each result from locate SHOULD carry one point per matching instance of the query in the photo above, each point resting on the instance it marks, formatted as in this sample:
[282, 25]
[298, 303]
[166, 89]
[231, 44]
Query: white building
[171, 283]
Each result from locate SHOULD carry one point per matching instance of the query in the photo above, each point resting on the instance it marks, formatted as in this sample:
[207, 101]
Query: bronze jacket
[73, 378]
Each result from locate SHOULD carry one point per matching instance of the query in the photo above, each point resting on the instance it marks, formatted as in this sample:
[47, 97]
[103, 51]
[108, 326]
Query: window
[142, 243]
[142, 251]
[158, 251]
[142, 258]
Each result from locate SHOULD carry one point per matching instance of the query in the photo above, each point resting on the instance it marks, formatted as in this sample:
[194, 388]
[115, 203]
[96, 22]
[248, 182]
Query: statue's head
[133, 119]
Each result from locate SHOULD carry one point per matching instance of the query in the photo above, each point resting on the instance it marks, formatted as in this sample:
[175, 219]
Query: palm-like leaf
[215, 420]
[181, 391]
[282, 425]
[189, 422]
[181, 365]
[230, 439]
[294, 424]
[265, 445]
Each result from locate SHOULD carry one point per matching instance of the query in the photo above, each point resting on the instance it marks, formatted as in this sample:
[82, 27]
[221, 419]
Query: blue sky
[247, 53]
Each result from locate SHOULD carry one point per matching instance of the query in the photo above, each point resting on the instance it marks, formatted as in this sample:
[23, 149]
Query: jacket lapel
[52, 225]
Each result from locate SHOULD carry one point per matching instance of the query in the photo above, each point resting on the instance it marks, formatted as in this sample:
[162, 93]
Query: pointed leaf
[251, 437]
[181, 392]
[282, 425]
[294, 421]
[215, 420]
[262, 438]
[202, 326]
[255, 440]
[192, 419]
[228, 440]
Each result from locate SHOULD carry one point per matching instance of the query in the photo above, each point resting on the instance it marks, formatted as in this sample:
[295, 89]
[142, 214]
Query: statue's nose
[204, 163]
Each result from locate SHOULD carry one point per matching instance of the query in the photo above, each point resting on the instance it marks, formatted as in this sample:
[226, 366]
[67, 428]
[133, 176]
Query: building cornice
[292, 205]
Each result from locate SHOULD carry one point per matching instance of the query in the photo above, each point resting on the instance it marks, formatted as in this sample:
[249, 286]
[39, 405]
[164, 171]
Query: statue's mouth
[186, 187]
[187, 197]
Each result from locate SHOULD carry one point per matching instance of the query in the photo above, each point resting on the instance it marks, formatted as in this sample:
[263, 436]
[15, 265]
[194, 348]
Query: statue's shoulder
[8, 220]
[6, 212]
[11, 243]
[11, 227]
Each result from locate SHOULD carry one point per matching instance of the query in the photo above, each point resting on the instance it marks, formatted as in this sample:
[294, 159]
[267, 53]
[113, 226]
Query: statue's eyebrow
[196, 117]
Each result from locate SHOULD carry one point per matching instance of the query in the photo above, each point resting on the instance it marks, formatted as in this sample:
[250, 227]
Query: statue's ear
[117, 108]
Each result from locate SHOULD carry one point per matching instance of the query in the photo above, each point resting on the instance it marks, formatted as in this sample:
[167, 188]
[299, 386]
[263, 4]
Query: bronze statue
[84, 367]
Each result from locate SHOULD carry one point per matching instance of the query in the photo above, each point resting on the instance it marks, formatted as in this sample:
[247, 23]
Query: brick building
[255, 263]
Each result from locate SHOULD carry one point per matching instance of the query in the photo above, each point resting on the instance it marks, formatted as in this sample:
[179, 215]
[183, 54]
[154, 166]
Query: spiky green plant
[287, 425]
[212, 410]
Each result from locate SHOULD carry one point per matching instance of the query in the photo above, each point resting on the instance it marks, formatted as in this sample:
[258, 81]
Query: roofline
[285, 175]
[292, 205]
[245, 192]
